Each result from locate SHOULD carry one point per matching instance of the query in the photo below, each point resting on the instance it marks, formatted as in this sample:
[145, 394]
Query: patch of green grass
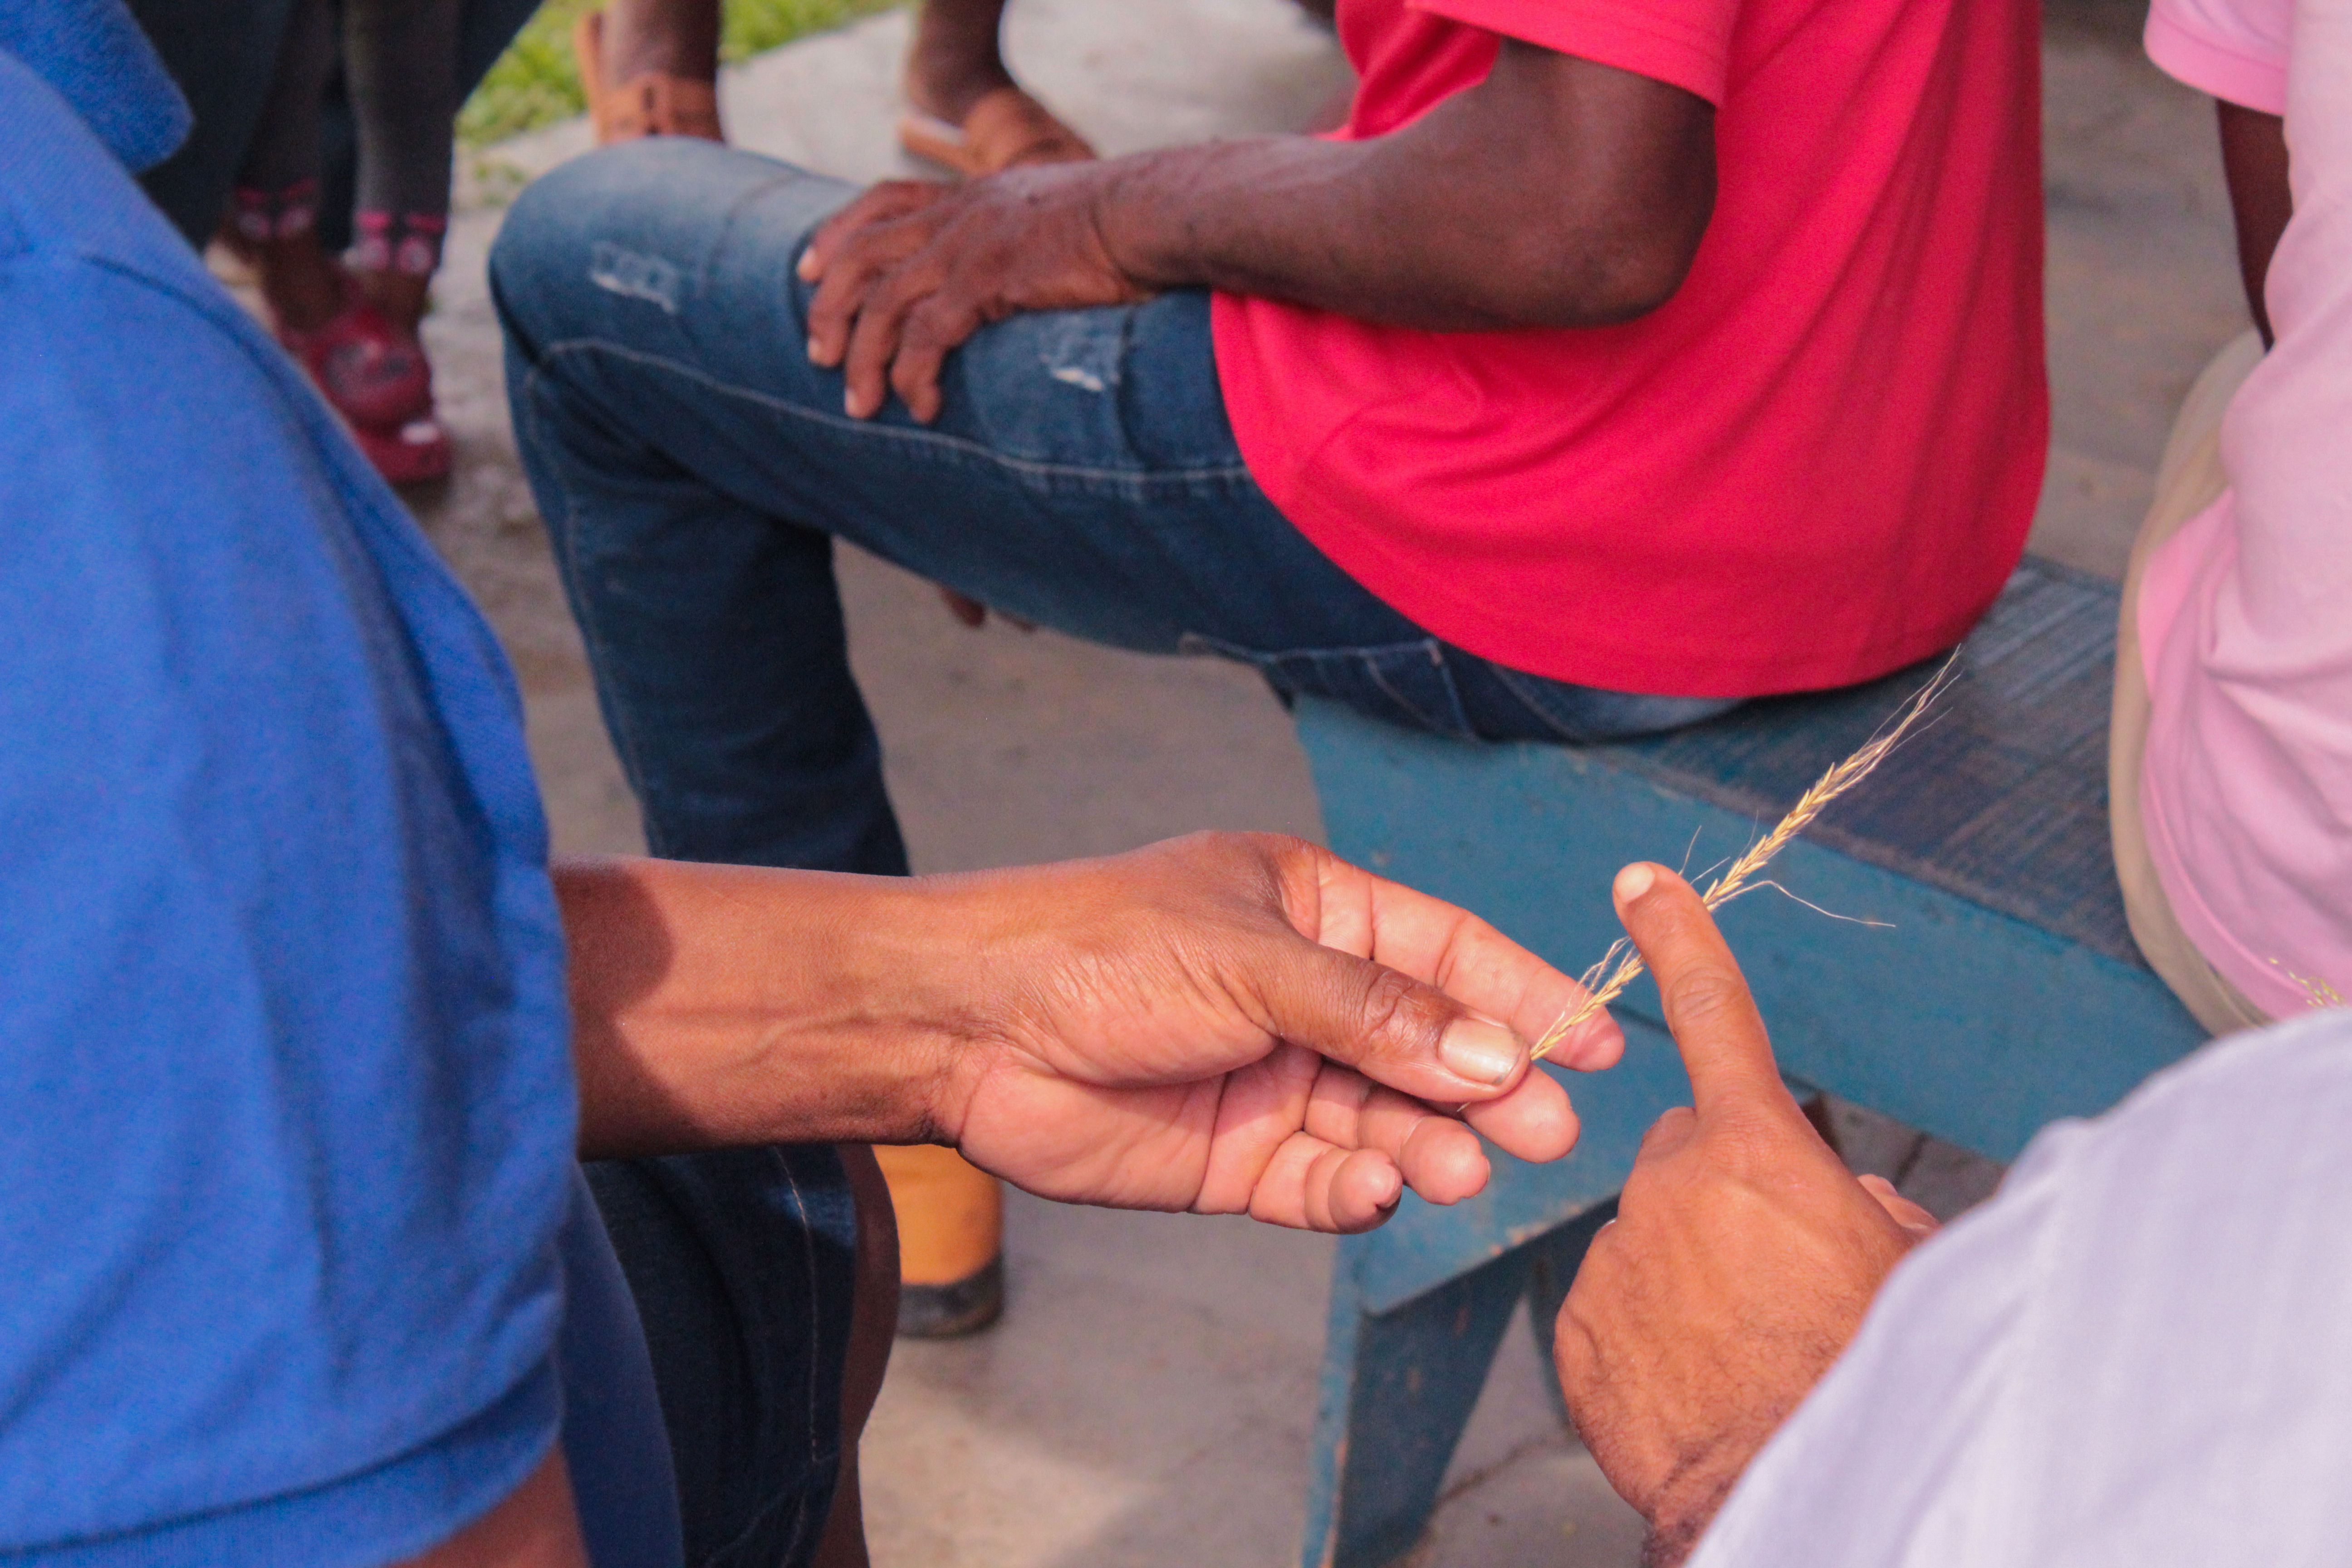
[536, 82]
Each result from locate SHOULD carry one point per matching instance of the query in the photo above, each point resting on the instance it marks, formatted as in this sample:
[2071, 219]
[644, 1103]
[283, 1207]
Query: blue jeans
[694, 469]
[743, 1266]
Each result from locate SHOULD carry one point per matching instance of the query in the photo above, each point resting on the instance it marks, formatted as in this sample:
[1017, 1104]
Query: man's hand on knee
[1743, 1256]
[912, 269]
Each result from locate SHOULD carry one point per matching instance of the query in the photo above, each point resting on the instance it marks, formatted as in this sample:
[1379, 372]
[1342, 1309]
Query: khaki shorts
[2187, 482]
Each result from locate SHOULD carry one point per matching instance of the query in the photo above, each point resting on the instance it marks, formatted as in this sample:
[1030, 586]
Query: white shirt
[2138, 1355]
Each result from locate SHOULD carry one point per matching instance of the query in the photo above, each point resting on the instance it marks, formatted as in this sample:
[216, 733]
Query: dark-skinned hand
[1225, 1023]
[1244, 1024]
[1743, 1256]
[911, 269]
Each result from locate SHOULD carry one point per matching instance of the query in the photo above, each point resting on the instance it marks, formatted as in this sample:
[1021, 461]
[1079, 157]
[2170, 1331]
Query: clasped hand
[912, 267]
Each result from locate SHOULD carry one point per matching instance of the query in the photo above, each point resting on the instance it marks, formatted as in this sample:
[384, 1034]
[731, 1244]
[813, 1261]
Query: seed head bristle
[1622, 965]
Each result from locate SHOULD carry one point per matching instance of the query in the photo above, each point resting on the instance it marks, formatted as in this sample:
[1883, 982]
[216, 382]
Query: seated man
[1615, 363]
[300, 1265]
[1742, 394]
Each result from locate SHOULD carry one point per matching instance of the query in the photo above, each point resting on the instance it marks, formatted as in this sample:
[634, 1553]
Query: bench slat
[2002, 799]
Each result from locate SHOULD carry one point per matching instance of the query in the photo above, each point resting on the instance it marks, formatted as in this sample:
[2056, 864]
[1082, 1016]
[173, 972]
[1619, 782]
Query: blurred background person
[352, 321]
[2230, 758]
[650, 67]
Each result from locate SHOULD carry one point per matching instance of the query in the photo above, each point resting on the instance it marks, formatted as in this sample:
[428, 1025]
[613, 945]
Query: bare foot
[955, 61]
[663, 37]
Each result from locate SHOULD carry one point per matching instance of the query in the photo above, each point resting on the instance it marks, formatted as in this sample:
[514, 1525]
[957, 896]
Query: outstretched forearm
[1229, 1023]
[723, 1006]
[1558, 193]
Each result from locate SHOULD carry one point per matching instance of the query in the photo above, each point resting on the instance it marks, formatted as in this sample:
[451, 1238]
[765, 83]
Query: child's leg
[277, 198]
[400, 61]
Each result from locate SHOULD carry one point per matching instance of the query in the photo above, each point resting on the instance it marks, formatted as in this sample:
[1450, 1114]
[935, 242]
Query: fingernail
[1482, 1052]
[807, 268]
[811, 352]
[1635, 880]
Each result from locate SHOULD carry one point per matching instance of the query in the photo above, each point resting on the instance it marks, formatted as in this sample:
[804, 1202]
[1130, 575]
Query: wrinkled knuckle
[932, 325]
[1395, 1013]
[1744, 1143]
[1706, 995]
[891, 297]
[917, 337]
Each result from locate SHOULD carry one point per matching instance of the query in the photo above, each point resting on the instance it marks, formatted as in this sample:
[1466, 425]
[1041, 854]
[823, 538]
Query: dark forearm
[716, 1007]
[2254, 156]
[1558, 194]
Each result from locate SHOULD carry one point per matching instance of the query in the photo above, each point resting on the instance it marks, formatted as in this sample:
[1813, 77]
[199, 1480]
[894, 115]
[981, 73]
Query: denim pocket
[1405, 683]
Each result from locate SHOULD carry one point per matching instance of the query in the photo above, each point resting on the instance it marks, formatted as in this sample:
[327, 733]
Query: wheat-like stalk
[1621, 964]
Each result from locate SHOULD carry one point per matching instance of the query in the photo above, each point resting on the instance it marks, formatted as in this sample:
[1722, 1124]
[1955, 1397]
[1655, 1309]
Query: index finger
[1708, 1008]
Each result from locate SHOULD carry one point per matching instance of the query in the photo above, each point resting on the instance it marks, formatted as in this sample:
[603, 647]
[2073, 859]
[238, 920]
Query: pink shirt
[2245, 615]
[1816, 463]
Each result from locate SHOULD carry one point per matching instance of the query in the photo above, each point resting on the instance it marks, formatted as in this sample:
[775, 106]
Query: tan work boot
[951, 1241]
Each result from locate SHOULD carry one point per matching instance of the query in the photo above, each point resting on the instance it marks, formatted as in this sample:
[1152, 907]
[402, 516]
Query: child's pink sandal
[376, 376]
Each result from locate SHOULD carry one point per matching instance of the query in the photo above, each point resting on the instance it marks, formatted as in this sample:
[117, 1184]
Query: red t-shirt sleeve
[1685, 43]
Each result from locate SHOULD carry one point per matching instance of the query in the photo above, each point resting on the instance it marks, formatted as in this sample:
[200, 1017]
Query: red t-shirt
[1814, 464]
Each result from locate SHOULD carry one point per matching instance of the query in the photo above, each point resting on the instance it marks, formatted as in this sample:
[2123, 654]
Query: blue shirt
[287, 1200]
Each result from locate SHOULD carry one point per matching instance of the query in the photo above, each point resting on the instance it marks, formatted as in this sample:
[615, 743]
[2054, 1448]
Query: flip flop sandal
[653, 104]
[1005, 128]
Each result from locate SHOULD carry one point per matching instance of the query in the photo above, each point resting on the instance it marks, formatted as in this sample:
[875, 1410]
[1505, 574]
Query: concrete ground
[1149, 1396]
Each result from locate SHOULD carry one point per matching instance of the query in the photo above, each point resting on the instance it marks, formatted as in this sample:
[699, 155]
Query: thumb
[1708, 1008]
[1391, 1028]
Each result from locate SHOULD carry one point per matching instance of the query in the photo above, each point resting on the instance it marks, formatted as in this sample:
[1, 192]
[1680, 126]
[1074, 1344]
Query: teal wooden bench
[2006, 994]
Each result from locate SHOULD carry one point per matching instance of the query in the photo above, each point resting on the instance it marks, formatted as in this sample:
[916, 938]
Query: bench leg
[1553, 1259]
[1398, 1388]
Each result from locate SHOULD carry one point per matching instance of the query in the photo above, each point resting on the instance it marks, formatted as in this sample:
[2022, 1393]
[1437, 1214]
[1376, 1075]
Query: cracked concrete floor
[1149, 1396]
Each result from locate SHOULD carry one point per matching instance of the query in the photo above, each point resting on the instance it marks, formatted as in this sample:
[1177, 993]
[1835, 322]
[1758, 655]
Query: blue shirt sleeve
[282, 1043]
